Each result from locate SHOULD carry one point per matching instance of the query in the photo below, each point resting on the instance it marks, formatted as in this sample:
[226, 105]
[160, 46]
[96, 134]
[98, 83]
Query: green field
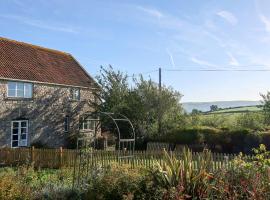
[237, 110]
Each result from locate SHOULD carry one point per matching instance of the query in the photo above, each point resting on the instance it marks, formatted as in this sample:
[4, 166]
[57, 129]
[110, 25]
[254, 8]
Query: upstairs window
[20, 90]
[75, 94]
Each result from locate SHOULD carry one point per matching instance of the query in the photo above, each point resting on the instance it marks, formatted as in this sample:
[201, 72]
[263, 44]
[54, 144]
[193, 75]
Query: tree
[213, 108]
[195, 111]
[266, 107]
[164, 104]
[142, 103]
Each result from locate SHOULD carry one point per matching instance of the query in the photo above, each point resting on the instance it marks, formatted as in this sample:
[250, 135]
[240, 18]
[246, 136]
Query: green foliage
[142, 103]
[218, 140]
[250, 120]
[121, 182]
[215, 120]
[195, 111]
[26, 183]
[266, 107]
[172, 178]
[11, 187]
[188, 180]
[213, 108]
[247, 179]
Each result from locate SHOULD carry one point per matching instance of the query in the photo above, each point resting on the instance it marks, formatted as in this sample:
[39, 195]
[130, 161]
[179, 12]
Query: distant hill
[205, 106]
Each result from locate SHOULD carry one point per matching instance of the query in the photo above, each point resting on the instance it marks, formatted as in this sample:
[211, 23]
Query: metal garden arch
[123, 143]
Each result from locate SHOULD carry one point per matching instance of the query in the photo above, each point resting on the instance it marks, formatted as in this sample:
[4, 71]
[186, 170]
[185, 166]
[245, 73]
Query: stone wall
[45, 112]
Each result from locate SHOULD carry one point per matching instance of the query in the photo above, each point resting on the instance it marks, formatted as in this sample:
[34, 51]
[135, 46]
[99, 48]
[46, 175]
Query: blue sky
[140, 36]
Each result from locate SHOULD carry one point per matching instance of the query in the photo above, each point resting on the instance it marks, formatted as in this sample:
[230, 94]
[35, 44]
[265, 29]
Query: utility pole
[159, 80]
[159, 113]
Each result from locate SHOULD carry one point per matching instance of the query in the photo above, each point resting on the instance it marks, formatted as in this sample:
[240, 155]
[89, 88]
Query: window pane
[15, 124]
[89, 124]
[23, 136]
[11, 89]
[14, 137]
[15, 131]
[11, 93]
[75, 94]
[12, 85]
[23, 130]
[24, 124]
[20, 93]
[14, 143]
[20, 90]
[28, 90]
[66, 123]
[20, 86]
[85, 125]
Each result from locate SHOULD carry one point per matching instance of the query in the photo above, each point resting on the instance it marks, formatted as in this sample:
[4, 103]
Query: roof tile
[24, 61]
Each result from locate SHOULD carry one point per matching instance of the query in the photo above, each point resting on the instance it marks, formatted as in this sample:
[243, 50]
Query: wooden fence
[56, 158]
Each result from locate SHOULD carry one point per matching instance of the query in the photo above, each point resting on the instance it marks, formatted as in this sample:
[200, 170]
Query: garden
[172, 178]
[217, 156]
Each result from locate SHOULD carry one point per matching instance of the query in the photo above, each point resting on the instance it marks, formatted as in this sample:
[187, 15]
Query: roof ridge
[34, 46]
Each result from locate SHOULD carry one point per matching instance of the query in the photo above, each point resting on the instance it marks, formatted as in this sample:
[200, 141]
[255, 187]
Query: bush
[253, 121]
[218, 140]
[11, 187]
[122, 182]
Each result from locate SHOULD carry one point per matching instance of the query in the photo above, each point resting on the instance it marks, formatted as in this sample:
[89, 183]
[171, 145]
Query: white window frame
[66, 124]
[75, 97]
[83, 123]
[24, 142]
[16, 89]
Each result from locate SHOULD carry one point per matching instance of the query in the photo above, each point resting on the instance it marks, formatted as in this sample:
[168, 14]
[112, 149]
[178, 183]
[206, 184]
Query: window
[75, 94]
[20, 90]
[19, 133]
[87, 124]
[66, 123]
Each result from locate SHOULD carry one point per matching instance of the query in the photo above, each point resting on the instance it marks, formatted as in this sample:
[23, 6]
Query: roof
[22, 61]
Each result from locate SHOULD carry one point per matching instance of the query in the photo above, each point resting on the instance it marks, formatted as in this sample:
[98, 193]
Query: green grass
[237, 110]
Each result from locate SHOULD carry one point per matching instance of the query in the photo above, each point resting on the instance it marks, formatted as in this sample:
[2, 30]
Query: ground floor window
[87, 124]
[19, 133]
[66, 123]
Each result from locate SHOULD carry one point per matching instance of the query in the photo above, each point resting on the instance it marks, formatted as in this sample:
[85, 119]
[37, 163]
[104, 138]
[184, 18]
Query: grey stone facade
[45, 113]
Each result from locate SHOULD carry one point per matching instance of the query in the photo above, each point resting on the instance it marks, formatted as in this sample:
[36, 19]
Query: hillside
[205, 106]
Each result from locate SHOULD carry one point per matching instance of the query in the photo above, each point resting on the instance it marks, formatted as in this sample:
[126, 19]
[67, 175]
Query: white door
[19, 133]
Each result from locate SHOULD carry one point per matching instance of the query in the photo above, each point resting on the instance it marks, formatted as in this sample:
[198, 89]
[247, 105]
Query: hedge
[218, 140]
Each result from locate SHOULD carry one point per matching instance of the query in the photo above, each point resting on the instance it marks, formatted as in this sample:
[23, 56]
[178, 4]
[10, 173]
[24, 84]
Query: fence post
[33, 156]
[61, 157]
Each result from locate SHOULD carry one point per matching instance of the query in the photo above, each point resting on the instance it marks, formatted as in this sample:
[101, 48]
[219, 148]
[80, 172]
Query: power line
[144, 73]
[204, 70]
[218, 70]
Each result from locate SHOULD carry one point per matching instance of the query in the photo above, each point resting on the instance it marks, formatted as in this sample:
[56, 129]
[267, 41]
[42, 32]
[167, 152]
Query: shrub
[115, 183]
[250, 120]
[11, 187]
[217, 140]
[122, 182]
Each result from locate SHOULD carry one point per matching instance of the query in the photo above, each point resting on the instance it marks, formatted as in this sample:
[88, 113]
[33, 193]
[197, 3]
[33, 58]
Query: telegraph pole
[159, 113]
[159, 80]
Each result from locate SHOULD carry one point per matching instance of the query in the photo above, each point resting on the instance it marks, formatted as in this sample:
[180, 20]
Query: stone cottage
[44, 95]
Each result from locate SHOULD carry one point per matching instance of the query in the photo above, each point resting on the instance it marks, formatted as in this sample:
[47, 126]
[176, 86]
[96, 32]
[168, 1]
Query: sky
[137, 36]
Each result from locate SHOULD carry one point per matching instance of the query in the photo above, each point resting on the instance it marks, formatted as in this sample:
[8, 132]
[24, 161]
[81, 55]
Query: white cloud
[42, 24]
[266, 22]
[163, 19]
[171, 57]
[233, 61]
[228, 16]
[151, 11]
[204, 63]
